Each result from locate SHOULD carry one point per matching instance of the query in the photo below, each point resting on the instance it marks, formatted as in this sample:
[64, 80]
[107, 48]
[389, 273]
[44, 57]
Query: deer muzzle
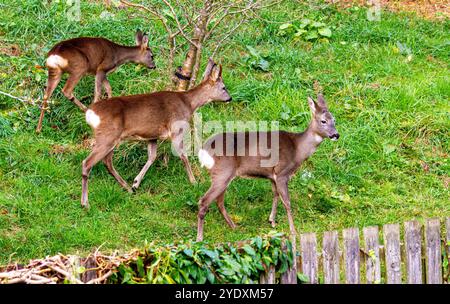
[334, 137]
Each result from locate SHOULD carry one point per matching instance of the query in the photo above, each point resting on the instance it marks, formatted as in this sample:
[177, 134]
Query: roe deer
[147, 117]
[96, 56]
[292, 149]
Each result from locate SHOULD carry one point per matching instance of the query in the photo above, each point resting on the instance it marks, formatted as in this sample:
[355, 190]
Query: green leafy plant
[308, 30]
[6, 128]
[199, 263]
[256, 60]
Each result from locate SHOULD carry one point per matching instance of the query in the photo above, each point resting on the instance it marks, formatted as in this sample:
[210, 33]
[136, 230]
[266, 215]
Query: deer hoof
[273, 223]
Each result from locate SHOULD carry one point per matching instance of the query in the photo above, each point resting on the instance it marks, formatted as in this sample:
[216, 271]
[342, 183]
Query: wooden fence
[422, 257]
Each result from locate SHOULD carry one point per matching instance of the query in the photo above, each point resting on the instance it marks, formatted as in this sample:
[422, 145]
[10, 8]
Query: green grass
[393, 116]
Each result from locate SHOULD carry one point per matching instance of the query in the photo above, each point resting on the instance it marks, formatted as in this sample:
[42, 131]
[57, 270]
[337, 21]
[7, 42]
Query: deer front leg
[107, 87]
[151, 150]
[99, 79]
[273, 214]
[177, 142]
[282, 188]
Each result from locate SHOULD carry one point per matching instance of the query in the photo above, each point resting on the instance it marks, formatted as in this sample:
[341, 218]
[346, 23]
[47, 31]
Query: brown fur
[148, 117]
[293, 150]
[95, 56]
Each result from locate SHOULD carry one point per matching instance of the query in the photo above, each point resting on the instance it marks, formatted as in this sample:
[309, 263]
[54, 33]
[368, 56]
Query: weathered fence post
[413, 250]
[447, 247]
[392, 253]
[268, 277]
[351, 255]
[308, 251]
[372, 256]
[330, 257]
[433, 252]
[290, 276]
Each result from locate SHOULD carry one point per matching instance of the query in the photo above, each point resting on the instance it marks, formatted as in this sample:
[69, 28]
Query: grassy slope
[393, 116]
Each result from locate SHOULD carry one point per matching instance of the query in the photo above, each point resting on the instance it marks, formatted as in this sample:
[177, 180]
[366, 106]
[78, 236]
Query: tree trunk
[194, 54]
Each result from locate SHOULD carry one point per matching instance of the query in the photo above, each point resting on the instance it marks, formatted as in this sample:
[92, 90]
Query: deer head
[213, 83]
[323, 121]
[145, 55]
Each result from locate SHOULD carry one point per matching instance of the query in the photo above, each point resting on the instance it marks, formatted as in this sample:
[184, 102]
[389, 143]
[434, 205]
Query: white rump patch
[205, 159]
[92, 119]
[56, 61]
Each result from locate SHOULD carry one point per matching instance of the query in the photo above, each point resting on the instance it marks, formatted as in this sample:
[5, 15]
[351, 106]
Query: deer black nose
[228, 100]
[334, 136]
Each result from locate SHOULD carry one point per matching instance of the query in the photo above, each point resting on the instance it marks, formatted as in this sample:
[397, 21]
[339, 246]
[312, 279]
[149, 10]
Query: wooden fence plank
[433, 251]
[413, 250]
[308, 251]
[447, 243]
[330, 249]
[290, 276]
[269, 276]
[391, 233]
[351, 255]
[447, 248]
[372, 256]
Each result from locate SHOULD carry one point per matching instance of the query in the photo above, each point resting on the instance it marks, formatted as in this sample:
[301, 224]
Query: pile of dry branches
[59, 269]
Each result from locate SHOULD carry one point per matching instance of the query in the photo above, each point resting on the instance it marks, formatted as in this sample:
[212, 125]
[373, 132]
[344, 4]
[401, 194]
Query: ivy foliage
[199, 263]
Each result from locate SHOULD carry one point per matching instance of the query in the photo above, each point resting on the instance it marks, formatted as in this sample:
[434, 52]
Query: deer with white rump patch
[240, 155]
[148, 117]
[96, 56]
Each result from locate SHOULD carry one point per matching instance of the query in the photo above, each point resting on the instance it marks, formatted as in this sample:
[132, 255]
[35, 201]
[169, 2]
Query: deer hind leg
[107, 87]
[221, 205]
[99, 152]
[54, 77]
[273, 213]
[151, 150]
[70, 86]
[218, 187]
[109, 165]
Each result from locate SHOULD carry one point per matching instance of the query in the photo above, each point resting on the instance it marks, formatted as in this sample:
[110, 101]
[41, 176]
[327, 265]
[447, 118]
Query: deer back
[147, 116]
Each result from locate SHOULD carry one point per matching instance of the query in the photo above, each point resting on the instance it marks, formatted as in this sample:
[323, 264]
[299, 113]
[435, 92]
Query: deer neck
[308, 142]
[198, 96]
[126, 54]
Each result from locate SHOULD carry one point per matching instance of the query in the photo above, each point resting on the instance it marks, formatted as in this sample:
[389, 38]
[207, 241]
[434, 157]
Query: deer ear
[208, 68]
[312, 105]
[138, 37]
[220, 71]
[321, 101]
[144, 42]
[216, 73]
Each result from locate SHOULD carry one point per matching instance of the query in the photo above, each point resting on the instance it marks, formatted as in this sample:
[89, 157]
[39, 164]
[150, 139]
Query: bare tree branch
[174, 14]
[220, 43]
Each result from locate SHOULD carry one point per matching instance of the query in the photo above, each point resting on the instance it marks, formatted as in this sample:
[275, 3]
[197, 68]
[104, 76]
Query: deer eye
[323, 122]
